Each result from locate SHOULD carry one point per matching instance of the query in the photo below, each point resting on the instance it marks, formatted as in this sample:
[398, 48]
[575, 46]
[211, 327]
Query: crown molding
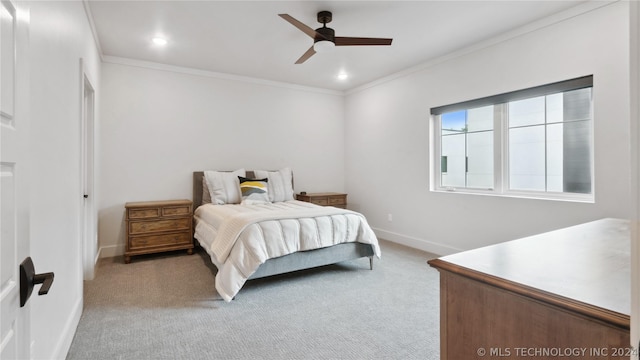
[523, 30]
[192, 71]
[215, 75]
[92, 25]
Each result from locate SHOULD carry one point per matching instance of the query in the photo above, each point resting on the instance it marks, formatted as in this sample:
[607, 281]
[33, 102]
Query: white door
[14, 193]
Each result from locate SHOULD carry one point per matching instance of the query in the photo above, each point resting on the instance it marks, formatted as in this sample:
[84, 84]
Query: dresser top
[137, 204]
[586, 265]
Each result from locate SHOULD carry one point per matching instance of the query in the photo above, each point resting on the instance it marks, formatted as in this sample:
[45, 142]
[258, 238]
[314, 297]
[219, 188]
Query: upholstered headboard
[197, 186]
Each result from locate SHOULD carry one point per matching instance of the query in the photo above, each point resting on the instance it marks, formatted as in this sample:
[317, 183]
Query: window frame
[501, 143]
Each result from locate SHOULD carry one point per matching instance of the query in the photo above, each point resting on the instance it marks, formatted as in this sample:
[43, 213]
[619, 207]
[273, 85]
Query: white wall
[160, 125]
[60, 36]
[387, 134]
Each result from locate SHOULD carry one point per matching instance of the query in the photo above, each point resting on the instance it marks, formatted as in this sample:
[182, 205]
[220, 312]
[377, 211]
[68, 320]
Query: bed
[258, 238]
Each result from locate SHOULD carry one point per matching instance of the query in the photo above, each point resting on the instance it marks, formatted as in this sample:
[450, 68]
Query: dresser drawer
[141, 227]
[150, 241]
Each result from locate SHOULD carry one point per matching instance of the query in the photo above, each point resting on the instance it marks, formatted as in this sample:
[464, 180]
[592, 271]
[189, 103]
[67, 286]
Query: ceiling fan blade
[306, 55]
[355, 41]
[304, 28]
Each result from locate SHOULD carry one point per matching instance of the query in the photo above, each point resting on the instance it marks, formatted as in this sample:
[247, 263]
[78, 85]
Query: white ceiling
[248, 38]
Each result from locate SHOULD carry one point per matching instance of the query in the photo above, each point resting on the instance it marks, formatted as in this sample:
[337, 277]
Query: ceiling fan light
[323, 46]
[159, 41]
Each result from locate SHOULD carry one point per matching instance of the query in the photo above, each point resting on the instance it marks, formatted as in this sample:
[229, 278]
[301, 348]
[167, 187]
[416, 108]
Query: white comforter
[239, 238]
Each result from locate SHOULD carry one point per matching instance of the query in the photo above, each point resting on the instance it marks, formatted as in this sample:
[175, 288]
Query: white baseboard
[111, 251]
[68, 332]
[416, 243]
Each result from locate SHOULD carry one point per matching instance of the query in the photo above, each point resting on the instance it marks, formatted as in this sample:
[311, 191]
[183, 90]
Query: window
[533, 142]
[467, 148]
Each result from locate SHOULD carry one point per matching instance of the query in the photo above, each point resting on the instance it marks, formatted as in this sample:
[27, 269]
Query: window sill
[577, 198]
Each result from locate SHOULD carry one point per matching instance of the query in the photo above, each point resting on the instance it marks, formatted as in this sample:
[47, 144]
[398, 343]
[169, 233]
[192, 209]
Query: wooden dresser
[561, 294]
[158, 226]
[338, 200]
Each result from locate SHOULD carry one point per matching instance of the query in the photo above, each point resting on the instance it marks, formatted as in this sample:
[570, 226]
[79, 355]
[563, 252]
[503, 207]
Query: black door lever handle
[29, 278]
[46, 279]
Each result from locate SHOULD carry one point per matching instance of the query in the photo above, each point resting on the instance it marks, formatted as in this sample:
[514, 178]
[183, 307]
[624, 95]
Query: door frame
[88, 228]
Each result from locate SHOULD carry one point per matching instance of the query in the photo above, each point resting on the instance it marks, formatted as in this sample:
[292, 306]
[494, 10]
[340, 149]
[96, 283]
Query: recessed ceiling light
[343, 76]
[159, 41]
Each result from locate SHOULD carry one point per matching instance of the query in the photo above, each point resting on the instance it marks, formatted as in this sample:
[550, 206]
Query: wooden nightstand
[158, 226]
[338, 200]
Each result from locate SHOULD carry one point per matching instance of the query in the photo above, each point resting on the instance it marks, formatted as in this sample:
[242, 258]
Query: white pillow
[224, 187]
[280, 183]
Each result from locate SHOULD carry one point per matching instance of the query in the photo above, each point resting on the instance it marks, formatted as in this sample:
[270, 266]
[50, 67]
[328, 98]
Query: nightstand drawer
[176, 211]
[143, 213]
[149, 241]
[325, 199]
[140, 227]
[320, 201]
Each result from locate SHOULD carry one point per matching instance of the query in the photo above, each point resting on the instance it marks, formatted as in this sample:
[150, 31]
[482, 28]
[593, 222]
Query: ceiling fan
[324, 38]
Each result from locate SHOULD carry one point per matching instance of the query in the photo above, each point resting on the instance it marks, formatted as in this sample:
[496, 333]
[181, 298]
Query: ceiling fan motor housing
[325, 17]
[328, 33]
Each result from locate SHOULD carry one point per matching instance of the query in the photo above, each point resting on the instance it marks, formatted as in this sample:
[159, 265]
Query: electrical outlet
[389, 217]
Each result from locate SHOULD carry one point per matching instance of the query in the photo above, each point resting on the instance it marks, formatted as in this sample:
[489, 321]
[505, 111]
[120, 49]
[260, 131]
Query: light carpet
[166, 307]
